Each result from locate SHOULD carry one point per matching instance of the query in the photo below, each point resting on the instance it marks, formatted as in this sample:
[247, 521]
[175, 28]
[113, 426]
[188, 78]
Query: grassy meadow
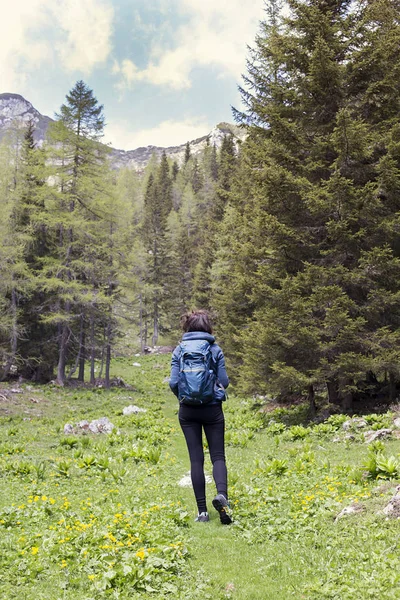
[87, 517]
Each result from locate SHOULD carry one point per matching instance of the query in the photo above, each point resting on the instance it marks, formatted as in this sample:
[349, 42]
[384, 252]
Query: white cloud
[86, 30]
[216, 34]
[69, 34]
[167, 133]
[15, 52]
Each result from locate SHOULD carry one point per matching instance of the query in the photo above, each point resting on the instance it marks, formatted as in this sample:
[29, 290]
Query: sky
[166, 71]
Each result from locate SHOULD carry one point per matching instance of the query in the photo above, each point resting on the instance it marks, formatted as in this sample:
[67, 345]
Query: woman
[208, 416]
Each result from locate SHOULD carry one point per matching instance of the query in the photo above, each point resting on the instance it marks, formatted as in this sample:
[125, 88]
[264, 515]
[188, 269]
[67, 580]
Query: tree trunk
[92, 351]
[145, 332]
[82, 350]
[102, 354]
[141, 334]
[62, 355]
[346, 396]
[392, 388]
[155, 323]
[108, 354]
[311, 400]
[13, 335]
[333, 391]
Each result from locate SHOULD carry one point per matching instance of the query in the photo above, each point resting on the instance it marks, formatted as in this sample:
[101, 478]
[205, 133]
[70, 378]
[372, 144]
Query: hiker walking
[199, 379]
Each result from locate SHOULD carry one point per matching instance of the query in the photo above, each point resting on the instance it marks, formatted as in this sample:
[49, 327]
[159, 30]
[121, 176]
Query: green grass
[92, 517]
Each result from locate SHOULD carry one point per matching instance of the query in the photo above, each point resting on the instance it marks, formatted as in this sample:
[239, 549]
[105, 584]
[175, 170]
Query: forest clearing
[92, 516]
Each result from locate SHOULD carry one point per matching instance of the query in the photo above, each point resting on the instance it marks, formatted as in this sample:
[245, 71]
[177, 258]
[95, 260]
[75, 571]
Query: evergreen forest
[291, 238]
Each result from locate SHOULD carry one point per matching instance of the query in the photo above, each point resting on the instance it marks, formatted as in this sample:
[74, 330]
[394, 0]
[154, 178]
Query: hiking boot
[220, 503]
[202, 517]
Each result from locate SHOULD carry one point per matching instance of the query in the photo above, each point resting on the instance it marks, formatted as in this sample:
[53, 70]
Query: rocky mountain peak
[15, 109]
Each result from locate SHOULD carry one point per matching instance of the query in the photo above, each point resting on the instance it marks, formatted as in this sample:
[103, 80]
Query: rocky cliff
[15, 110]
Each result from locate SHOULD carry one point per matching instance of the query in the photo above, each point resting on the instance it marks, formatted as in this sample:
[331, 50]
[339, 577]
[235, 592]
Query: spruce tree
[80, 202]
[188, 153]
[210, 215]
[314, 212]
[36, 347]
[157, 207]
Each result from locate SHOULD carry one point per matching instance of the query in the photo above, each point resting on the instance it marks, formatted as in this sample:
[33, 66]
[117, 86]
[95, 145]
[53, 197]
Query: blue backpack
[196, 373]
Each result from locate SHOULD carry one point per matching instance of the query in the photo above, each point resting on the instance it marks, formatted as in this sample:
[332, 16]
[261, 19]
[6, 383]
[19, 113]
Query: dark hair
[196, 320]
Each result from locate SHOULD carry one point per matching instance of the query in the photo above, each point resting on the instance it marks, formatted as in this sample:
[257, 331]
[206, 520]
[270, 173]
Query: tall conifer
[316, 217]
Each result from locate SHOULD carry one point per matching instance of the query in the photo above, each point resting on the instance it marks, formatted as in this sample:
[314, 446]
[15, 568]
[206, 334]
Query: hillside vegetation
[93, 516]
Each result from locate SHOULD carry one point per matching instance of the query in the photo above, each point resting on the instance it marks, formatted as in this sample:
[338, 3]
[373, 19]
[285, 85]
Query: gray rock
[133, 410]
[349, 437]
[350, 510]
[392, 509]
[102, 425]
[355, 423]
[371, 436]
[396, 423]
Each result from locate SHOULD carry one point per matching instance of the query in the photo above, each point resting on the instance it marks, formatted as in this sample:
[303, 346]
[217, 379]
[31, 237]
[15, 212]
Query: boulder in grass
[133, 410]
[371, 436]
[355, 423]
[83, 425]
[350, 510]
[392, 509]
[396, 423]
[102, 425]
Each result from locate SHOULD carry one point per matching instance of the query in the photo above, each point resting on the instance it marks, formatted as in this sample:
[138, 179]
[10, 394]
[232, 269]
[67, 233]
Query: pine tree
[210, 216]
[36, 347]
[80, 202]
[175, 170]
[24, 245]
[188, 153]
[13, 269]
[313, 213]
[197, 177]
[157, 207]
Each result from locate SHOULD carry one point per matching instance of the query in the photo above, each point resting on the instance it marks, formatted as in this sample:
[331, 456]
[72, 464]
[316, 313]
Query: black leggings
[193, 419]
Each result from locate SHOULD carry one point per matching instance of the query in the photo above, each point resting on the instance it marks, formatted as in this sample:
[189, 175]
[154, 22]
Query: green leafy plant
[298, 432]
[69, 442]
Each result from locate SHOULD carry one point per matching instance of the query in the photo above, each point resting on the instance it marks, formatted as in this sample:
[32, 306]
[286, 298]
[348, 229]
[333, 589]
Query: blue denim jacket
[218, 357]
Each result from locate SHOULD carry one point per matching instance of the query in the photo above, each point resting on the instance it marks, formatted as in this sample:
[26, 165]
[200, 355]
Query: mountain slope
[16, 109]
